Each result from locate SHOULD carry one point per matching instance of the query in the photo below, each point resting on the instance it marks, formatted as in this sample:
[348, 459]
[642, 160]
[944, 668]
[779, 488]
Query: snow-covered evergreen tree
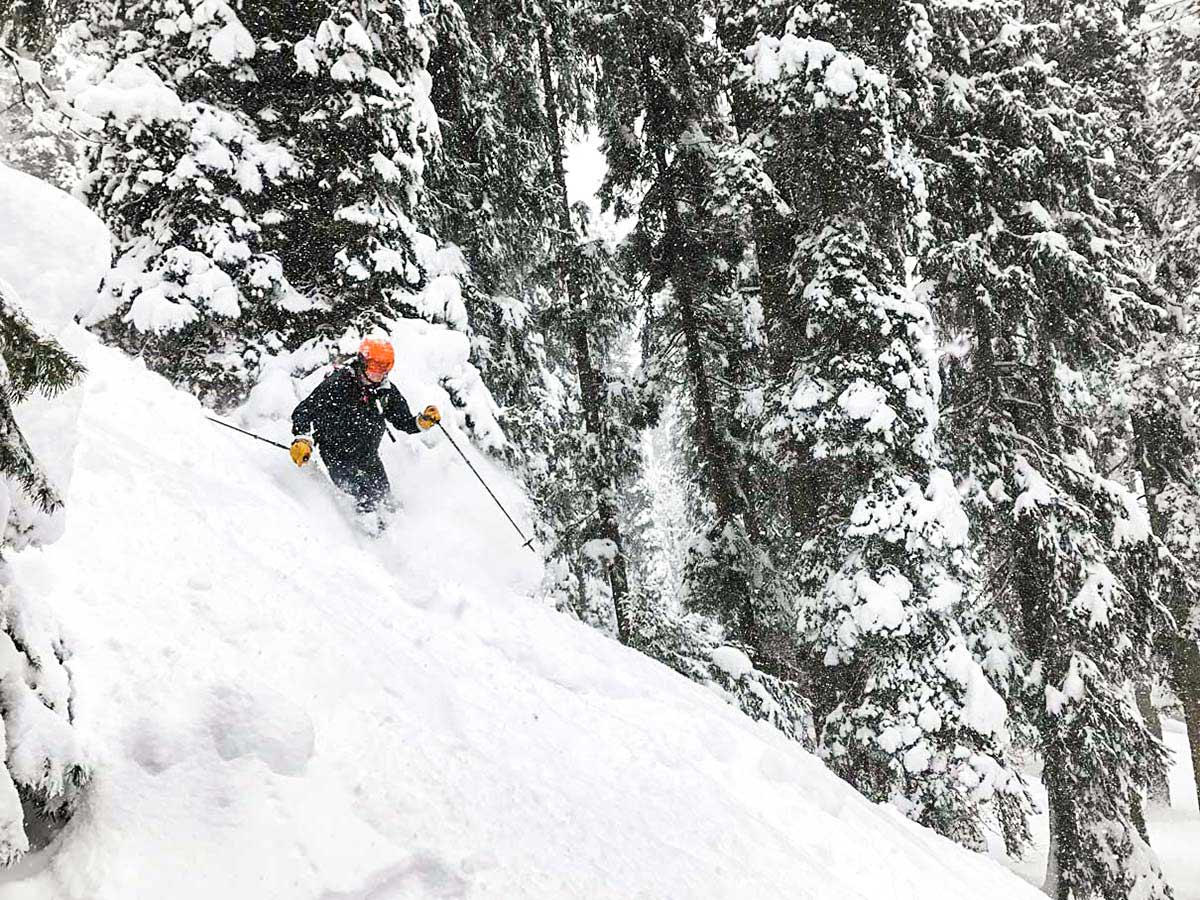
[881, 563]
[35, 134]
[1176, 126]
[595, 315]
[492, 190]
[668, 144]
[44, 766]
[491, 180]
[1164, 375]
[1166, 454]
[1039, 286]
[264, 185]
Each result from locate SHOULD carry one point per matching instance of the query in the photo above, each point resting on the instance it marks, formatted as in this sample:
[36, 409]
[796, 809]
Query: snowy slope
[281, 707]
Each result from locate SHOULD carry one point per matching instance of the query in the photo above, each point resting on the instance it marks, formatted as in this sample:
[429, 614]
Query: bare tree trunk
[591, 384]
[1158, 792]
[1051, 882]
[1137, 815]
[1063, 843]
[1186, 675]
[1032, 572]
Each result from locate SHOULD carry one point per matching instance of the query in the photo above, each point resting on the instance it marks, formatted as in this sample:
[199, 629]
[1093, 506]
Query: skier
[346, 417]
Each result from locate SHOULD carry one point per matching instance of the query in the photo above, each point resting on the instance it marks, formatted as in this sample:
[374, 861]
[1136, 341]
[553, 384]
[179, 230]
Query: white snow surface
[51, 253]
[51, 249]
[278, 706]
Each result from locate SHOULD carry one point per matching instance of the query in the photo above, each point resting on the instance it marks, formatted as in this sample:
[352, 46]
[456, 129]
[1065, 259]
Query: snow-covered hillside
[278, 706]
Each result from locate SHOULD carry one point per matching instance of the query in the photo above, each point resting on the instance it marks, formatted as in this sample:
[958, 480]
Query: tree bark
[1063, 842]
[1033, 568]
[1158, 792]
[1186, 675]
[591, 382]
[1032, 573]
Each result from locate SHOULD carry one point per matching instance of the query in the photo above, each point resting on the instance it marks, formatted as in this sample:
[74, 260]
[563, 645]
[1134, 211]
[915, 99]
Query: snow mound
[278, 706]
[53, 251]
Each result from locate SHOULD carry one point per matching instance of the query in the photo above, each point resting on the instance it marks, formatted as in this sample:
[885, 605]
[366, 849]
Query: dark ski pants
[364, 480]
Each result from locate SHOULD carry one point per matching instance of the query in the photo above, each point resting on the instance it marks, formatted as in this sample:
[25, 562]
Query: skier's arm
[398, 412]
[312, 407]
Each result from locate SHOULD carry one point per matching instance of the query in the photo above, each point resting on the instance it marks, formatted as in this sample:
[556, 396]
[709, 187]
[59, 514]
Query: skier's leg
[375, 487]
[351, 478]
[339, 474]
[367, 482]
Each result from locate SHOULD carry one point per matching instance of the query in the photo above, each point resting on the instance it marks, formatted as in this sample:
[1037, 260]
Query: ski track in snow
[281, 707]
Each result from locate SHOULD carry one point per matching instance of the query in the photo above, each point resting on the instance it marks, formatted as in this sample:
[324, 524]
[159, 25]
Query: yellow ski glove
[301, 451]
[429, 417]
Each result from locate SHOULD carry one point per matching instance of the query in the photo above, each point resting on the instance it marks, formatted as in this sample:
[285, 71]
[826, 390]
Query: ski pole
[529, 542]
[250, 434]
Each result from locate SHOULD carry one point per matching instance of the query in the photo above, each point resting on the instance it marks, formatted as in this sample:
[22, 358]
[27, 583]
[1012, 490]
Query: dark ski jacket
[346, 416]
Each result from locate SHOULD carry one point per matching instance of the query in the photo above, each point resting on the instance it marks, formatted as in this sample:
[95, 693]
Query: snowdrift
[278, 706]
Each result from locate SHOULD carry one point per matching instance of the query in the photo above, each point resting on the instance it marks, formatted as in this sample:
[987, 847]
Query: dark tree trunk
[1032, 573]
[591, 382]
[722, 480]
[1033, 567]
[721, 476]
[1158, 792]
[1186, 675]
[1063, 843]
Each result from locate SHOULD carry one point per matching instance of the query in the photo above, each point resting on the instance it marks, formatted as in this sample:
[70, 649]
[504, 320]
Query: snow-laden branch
[29, 80]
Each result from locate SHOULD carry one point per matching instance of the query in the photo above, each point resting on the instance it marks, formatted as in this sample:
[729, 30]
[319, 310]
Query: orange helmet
[377, 357]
